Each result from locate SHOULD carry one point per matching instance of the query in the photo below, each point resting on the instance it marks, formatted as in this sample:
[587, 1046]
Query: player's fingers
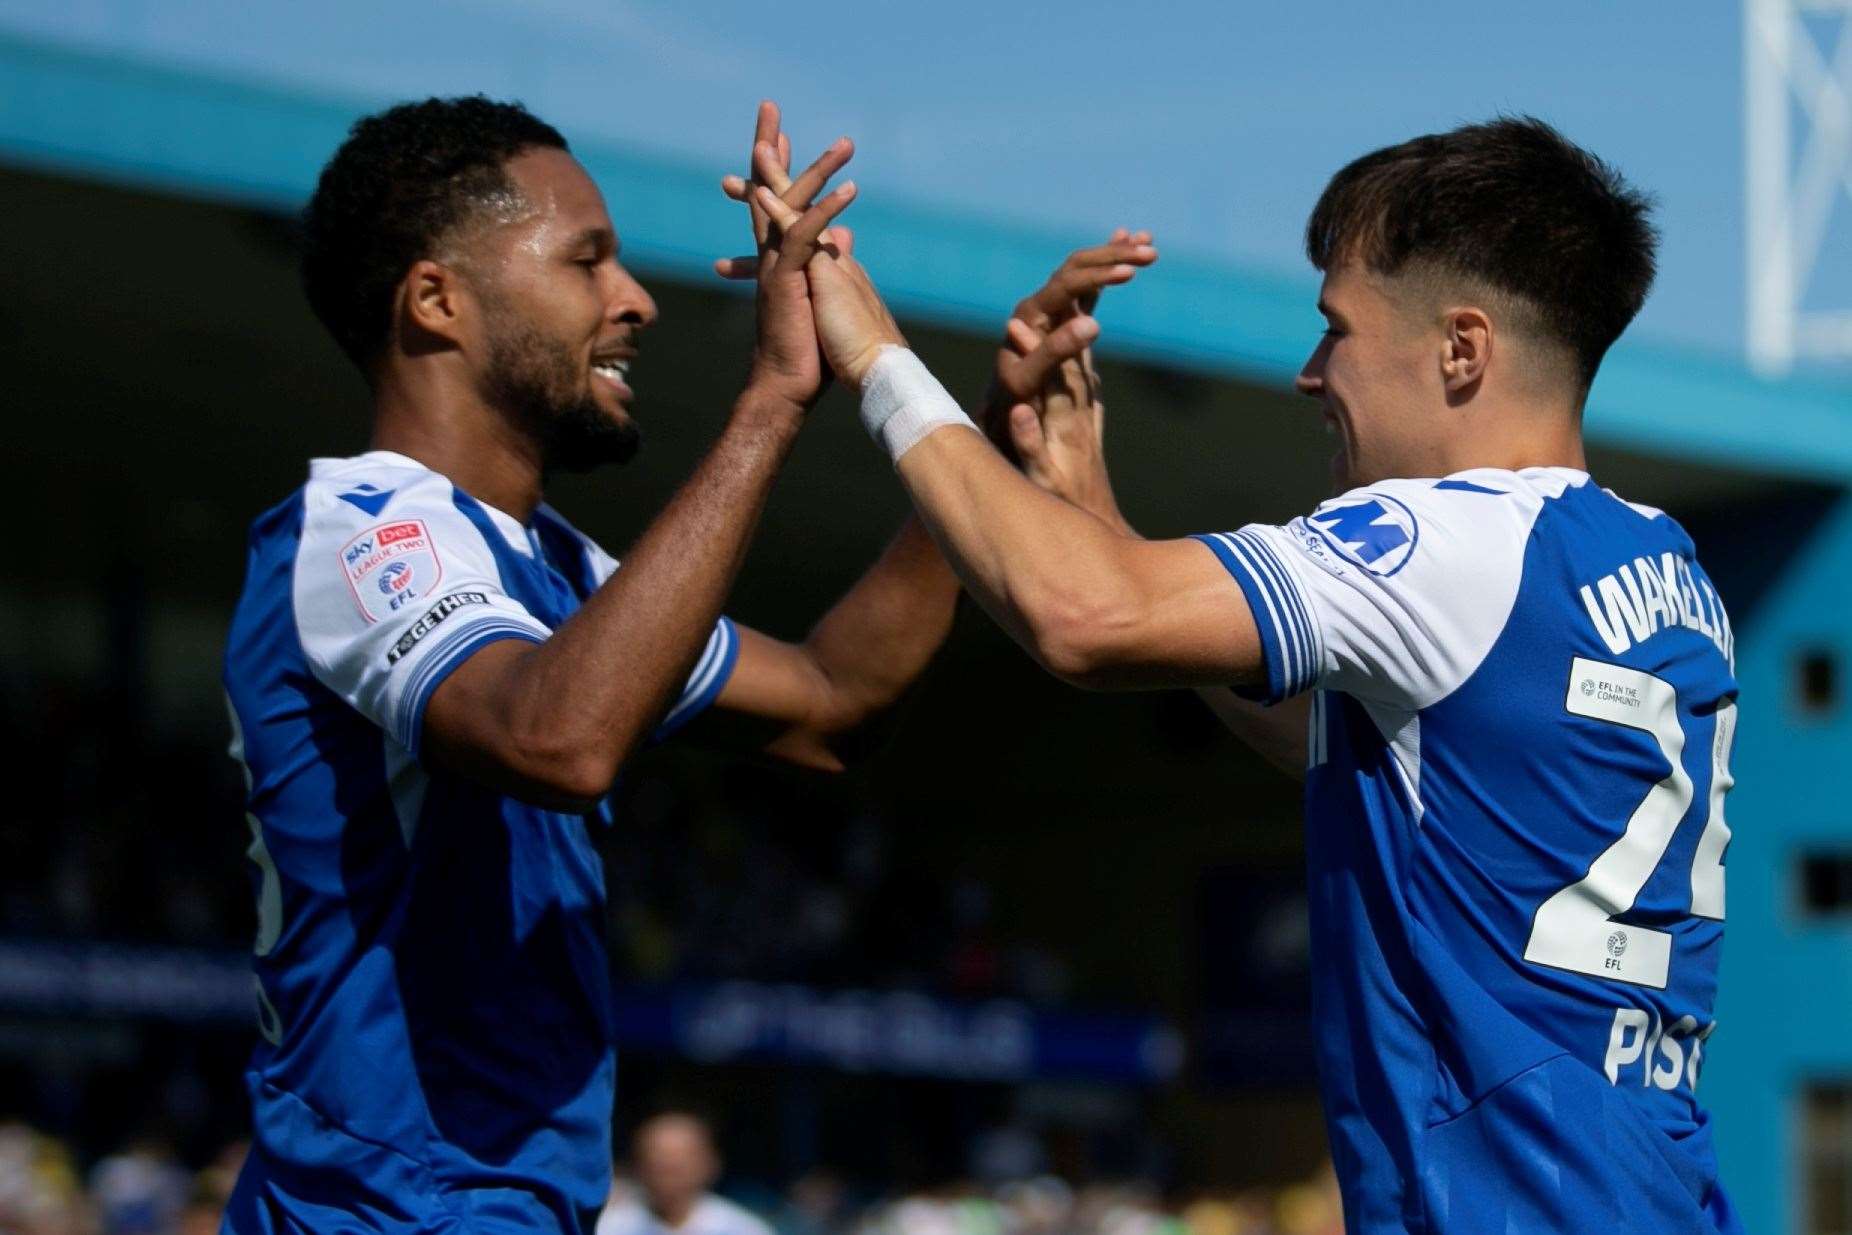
[766, 171]
[1065, 342]
[1087, 297]
[1121, 248]
[784, 150]
[1085, 273]
[781, 215]
[737, 267]
[761, 221]
[735, 187]
[803, 190]
[842, 239]
[1021, 337]
[1054, 299]
[1026, 435]
[1078, 286]
[766, 129]
[802, 232]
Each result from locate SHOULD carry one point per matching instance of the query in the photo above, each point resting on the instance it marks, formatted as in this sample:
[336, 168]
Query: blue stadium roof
[214, 137]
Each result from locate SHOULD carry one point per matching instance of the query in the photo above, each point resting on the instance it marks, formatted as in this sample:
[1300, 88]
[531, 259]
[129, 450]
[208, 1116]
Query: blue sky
[1214, 124]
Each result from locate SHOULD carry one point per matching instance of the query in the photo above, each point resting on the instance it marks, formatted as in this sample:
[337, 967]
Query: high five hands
[786, 359]
[1042, 408]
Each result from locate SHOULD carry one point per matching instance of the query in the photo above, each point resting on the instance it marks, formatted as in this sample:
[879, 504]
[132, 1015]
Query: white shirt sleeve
[389, 601]
[1392, 593]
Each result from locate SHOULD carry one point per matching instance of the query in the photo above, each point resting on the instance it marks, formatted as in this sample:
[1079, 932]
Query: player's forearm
[1048, 573]
[1277, 734]
[586, 697]
[874, 642]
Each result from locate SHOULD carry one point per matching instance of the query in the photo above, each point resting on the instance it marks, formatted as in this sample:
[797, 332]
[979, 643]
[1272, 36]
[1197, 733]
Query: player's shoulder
[1650, 522]
[361, 505]
[1470, 520]
[370, 487]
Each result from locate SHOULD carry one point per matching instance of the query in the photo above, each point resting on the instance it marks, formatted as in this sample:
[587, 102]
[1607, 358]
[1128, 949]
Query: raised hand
[1074, 288]
[786, 361]
[852, 322]
[1043, 408]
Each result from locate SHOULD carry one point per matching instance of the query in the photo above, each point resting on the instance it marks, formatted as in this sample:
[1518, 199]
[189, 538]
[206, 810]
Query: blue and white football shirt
[1518, 756]
[433, 992]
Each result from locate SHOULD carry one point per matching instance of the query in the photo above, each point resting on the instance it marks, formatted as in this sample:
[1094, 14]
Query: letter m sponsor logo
[1377, 534]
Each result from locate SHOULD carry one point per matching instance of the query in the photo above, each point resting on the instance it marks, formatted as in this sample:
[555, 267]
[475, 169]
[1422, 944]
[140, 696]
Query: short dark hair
[404, 179]
[1511, 204]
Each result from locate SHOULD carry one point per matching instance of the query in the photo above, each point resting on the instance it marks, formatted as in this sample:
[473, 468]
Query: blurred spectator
[676, 1165]
[817, 1204]
[39, 1193]
[139, 1191]
[205, 1205]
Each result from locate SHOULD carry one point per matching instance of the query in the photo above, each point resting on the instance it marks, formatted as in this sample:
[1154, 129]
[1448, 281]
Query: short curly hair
[1512, 205]
[404, 180]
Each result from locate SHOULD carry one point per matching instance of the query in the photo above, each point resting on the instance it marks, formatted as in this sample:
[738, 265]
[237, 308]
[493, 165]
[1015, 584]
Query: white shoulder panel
[1393, 593]
[393, 588]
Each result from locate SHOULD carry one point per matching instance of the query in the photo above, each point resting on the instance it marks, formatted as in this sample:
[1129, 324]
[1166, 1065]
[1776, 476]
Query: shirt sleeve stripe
[1273, 637]
[442, 661]
[1296, 597]
[710, 674]
[1312, 637]
[1298, 666]
[1288, 641]
[1278, 588]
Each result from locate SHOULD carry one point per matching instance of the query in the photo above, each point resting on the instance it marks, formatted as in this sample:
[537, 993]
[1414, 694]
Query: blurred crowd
[132, 832]
[719, 870]
[145, 1190]
[141, 1190]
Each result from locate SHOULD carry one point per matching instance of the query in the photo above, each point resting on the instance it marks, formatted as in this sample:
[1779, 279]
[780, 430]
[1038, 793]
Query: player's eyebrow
[600, 239]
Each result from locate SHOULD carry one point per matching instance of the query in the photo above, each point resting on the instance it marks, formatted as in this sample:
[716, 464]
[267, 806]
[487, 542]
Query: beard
[537, 381]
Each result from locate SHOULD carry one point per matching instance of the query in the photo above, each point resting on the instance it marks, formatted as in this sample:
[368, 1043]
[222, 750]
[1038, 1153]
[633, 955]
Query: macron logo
[1378, 533]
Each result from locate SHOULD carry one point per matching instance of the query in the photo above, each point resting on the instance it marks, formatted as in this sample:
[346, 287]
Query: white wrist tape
[902, 401]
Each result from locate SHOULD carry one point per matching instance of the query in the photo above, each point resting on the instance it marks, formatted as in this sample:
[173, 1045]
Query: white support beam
[1790, 201]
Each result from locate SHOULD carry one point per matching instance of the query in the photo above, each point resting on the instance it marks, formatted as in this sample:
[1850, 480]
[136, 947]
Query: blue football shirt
[1518, 755]
[433, 994]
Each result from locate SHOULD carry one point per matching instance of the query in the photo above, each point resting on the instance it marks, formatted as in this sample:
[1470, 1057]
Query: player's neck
[1515, 456]
[456, 435]
[1515, 440]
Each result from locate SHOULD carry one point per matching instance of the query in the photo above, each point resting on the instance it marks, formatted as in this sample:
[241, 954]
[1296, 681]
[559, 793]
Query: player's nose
[1311, 379]
[630, 301]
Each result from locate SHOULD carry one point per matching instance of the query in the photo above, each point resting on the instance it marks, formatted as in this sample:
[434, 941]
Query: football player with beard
[434, 679]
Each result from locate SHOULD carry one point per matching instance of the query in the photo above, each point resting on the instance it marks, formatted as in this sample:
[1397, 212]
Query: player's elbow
[1082, 639]
[561, 773]
[584, 783]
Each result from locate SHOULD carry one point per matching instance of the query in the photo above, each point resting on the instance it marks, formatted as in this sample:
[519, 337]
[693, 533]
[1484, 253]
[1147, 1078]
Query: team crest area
[390, 566]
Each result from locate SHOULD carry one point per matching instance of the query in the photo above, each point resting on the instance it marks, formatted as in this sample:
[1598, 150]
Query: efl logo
[389, 566]
[1377, 532]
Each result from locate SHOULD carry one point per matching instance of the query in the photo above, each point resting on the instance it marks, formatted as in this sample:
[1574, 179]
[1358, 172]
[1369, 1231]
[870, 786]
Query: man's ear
[434, 304]
[1466, 349]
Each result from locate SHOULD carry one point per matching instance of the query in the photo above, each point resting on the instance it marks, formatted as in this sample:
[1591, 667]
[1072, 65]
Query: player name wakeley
[1642, 598]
